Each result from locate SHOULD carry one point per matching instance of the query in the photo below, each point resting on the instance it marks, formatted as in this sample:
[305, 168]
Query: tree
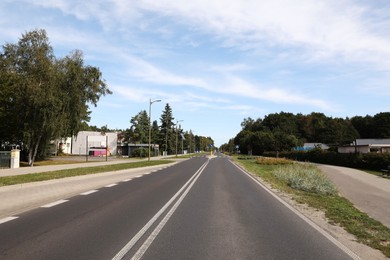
[228, 147]
[140, 126]
[381, 128]
[363, 125]
[45, 98]
[167, 134]
[281, 122]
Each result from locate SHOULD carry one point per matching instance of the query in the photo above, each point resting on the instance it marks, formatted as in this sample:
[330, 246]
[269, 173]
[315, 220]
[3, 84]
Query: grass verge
[34, 177]
[338, 210]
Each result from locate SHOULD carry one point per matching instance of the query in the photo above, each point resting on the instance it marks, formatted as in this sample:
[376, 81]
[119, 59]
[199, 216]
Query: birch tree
[45, 98]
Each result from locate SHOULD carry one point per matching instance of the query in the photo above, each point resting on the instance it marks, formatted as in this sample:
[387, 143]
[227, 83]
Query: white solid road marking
[141, 251]
[3, 220]
[88, 192]
[140, 233]
[111, 185]
[55, 203]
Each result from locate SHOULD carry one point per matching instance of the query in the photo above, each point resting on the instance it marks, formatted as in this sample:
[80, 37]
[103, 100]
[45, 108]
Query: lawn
[34, 177]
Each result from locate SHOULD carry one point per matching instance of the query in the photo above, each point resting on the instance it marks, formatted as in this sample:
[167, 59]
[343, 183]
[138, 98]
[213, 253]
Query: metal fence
[5, 159]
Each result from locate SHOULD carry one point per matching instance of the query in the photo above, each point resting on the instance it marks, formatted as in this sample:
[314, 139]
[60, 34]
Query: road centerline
[141, 232]
[141, 251]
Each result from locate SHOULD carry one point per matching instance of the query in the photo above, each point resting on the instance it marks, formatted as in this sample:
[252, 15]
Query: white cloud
[323, 29]
[230, 68]
[243, 88]
[320, 30]
[151, 73]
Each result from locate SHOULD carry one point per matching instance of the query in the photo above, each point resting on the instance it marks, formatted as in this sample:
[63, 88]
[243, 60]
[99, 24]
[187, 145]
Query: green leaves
[48, 96]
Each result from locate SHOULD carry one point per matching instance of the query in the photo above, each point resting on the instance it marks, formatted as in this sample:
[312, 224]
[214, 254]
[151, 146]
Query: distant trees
[284, 131]
[43, 97]
[165, 134]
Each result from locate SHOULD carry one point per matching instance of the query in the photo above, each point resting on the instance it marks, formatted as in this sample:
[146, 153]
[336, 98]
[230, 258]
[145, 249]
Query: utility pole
[177, 122]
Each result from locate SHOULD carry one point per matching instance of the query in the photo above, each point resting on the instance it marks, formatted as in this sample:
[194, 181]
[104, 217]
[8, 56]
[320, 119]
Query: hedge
[369, 161]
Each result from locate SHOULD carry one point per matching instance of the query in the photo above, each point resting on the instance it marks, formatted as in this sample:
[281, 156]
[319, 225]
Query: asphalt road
[197, 209]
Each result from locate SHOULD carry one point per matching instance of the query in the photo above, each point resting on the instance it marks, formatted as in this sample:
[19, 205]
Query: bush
[273, 161]
[369, 161]
[305, 177]
[140, 152]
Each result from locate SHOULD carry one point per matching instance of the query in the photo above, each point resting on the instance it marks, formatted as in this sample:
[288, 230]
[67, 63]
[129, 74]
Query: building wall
[95, 139]
[351, 149]
[66, 144]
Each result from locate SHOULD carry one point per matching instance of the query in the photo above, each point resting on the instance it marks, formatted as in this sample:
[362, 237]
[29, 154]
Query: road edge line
[332, 239]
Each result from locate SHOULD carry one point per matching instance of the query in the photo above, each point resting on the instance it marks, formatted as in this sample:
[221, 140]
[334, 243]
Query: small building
[126, 149]
[366, 146]
[88, 142]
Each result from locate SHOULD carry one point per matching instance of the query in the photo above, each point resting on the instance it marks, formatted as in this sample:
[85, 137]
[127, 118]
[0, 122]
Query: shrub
[369, 161]
[305, 177]
[140, 152]
[273, 161]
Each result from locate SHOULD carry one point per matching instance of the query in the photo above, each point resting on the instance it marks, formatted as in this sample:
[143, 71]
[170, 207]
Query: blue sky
[217, 62]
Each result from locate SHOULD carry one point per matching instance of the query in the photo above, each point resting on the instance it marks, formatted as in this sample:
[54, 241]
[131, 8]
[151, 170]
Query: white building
[366, 146]
[87, 142]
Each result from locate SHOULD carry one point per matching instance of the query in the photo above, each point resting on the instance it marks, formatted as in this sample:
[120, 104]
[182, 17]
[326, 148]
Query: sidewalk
[16, 199]
[369, 193]
[48, 168]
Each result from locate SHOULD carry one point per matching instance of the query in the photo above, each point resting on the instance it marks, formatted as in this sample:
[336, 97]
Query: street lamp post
[166, 136]
[177, 122]
[150, 126]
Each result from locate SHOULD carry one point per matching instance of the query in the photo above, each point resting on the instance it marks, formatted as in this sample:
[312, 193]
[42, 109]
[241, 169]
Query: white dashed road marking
[55, 203]
[111, 185]
[88, 192]
[3, 220]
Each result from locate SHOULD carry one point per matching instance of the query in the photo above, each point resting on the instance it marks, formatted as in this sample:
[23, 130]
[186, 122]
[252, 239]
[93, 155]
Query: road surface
[198, 209]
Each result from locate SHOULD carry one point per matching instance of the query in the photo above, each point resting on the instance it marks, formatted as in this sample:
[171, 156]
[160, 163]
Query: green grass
[338, 210]
[34, 177]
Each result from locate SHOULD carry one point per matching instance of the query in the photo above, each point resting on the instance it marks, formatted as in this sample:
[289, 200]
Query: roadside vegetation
[34, 177]
[306, 184]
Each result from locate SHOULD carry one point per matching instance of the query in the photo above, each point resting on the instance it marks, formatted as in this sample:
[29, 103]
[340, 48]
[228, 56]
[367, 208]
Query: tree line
[168, 134]
[284, 131]
[43, 97]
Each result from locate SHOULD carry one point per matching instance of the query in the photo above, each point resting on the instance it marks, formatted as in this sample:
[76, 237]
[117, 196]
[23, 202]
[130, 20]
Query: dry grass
[273, 161]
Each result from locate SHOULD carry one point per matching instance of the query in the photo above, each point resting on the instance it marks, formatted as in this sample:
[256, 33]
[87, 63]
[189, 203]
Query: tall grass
[305, 177]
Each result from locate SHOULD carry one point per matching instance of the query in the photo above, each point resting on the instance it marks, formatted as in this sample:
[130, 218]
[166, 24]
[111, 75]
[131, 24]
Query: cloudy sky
[217, 62]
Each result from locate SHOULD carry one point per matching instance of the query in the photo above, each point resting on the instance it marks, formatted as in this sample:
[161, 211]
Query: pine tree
[167, 130]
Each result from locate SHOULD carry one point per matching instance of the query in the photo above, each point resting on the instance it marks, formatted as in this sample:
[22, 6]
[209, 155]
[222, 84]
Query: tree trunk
[32, 153]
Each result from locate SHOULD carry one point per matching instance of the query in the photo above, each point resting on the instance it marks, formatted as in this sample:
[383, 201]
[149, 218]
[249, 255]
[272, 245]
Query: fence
[5, 159]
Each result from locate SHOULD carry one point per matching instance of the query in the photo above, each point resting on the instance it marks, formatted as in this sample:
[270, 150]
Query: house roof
[371, 141]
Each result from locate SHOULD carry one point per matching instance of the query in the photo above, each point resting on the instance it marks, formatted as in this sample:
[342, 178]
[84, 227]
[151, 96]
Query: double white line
[186, 187]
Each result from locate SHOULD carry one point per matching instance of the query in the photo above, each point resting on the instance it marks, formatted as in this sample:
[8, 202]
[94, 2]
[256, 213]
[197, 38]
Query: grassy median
[34, 177]
[338, 210]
